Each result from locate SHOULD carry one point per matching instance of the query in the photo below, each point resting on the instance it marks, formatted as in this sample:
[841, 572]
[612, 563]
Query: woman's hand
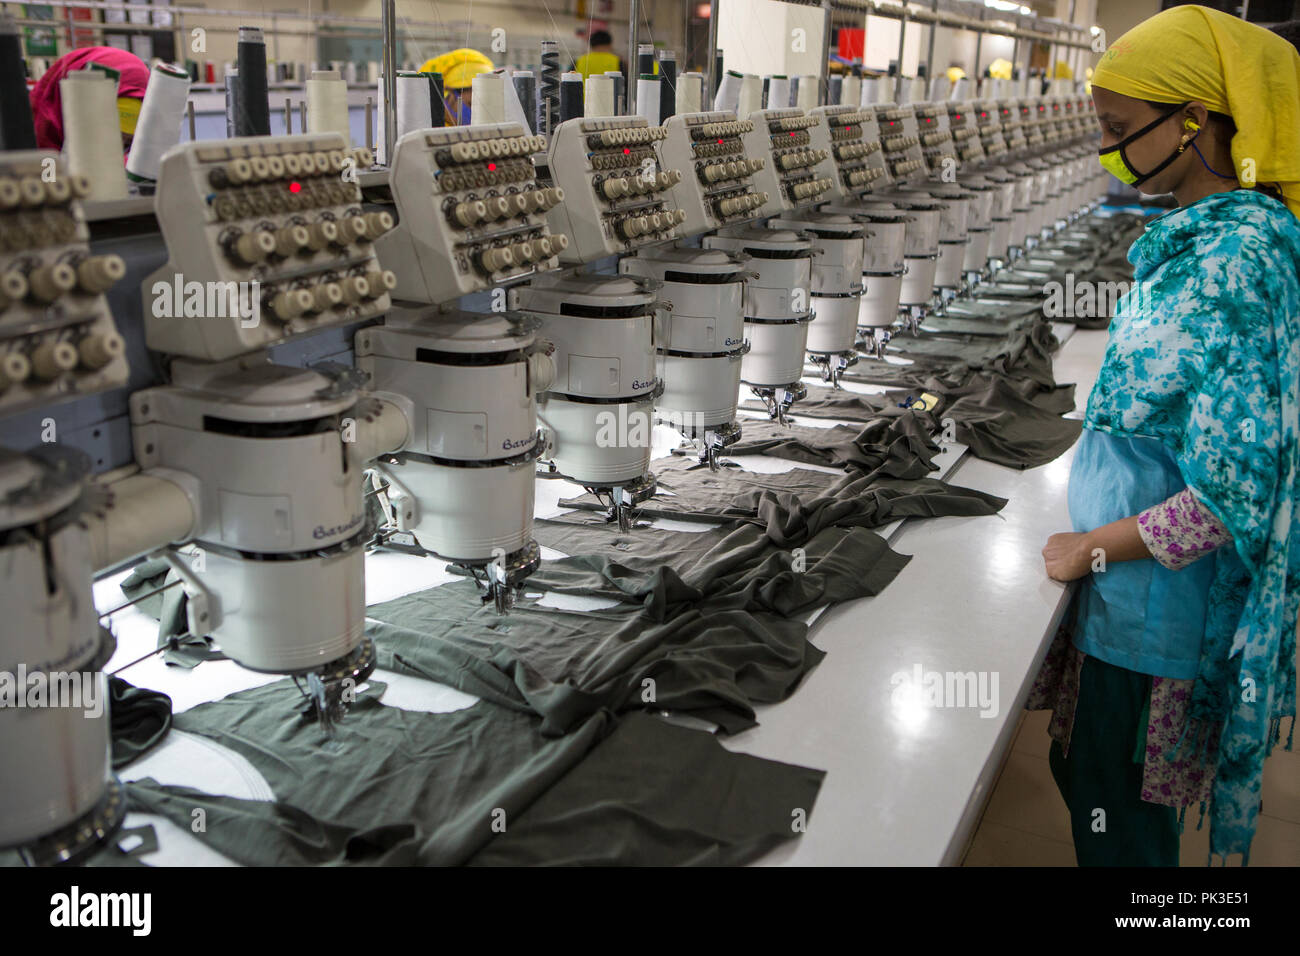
[1068, 556]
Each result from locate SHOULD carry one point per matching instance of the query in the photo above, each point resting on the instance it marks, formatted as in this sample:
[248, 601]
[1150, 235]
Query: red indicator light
[791, 132]
[295, 187]
[959, 116]
[626, 151]
[492, 167]
[719, 142]
[848, 129]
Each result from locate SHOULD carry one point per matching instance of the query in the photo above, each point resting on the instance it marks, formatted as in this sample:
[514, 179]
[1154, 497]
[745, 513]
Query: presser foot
[502, 576]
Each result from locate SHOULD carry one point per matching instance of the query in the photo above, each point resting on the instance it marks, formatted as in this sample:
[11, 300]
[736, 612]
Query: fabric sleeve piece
[1181, 530]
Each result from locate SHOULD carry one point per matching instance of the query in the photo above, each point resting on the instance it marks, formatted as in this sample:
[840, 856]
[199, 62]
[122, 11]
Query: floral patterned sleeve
[1180, 530]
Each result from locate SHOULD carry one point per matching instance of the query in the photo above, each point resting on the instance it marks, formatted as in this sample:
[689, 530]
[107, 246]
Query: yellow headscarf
[1000, 69]
[1233, 67]
[458, 68]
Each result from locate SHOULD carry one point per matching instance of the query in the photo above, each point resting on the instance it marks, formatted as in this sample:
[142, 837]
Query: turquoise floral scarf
[1204, 357]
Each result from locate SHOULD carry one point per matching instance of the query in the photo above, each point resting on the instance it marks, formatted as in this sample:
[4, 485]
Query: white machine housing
[599, 410]
[700, 341]
[778, 303]
[463, 483]
[54, 760]
[836, 278]
[280, 528]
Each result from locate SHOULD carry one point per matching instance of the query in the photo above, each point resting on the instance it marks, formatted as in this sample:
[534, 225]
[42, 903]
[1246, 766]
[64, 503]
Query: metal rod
[302, 116]
[824, 74]
[711, 81]
[189, 110]
[979, 41]
[388, 10]
[898, 77]
[929, 56]
[143, 597]
[370, 121]
[288, 117]
[446, 29]
[632, 13]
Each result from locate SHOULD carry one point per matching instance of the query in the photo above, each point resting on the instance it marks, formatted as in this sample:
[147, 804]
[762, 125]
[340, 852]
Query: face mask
[1116, 163]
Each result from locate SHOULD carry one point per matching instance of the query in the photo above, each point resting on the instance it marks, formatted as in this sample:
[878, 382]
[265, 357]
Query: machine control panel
[470, 212]
[717, 185]
[1013, 127]
[901, 140]
[937, 144]
[615, 195]
[795, 172]
[851, 137]
[962, 119]
[266, 240]
[988, 124]
[57, 336]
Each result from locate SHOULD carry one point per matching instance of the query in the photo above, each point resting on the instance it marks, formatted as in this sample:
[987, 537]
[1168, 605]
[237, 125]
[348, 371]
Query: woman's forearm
[1118, 541]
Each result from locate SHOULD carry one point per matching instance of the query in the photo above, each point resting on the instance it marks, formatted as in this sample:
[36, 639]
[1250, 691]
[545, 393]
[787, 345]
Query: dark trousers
[1101, 780]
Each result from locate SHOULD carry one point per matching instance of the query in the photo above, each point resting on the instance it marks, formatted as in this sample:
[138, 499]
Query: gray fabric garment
[1002, 426]
[790, 517]
[139, 718]
[389, 786]
[737, 564]
[972, 349]
[894, 446]
[1013, 423]
[402, 787]
[669, 796]
[954, 323]
[823, 402]
[717, 658]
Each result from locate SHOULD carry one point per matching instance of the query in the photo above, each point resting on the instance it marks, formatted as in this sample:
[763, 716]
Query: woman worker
[47, 106]
[1183, 489]
[458, 69]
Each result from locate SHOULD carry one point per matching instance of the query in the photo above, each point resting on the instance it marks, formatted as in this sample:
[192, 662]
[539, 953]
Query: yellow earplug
[1190, 124]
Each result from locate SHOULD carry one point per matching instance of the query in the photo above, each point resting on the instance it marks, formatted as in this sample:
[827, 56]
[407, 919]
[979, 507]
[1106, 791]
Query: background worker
[458, 69]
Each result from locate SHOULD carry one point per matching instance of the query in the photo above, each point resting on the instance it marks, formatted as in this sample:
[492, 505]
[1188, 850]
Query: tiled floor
[1025, 822]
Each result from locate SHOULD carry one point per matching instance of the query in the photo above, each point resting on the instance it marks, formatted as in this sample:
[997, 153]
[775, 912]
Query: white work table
[905, 782]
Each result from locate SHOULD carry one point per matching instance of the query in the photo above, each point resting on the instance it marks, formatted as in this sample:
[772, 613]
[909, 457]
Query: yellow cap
[1000, 69]
[458, 68]
[1062, 71]
[128, 112]
[955, 73]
